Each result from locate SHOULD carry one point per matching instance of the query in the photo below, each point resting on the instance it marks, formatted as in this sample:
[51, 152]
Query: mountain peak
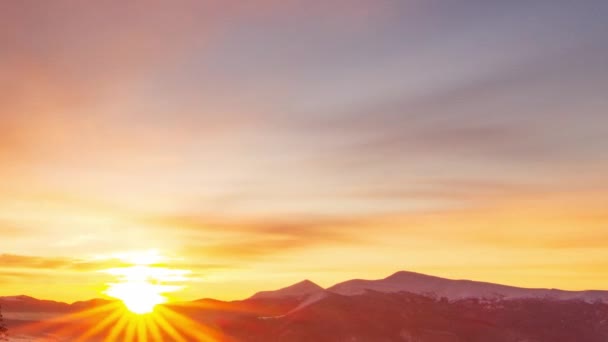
[302, 288]
[405, 281]
[407, 275]
[306, 284]
[18, 297]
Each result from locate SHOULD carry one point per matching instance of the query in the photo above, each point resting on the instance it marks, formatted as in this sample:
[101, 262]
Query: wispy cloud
[250, 138]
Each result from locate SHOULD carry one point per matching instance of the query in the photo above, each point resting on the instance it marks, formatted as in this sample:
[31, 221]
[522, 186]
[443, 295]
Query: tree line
[3, 328]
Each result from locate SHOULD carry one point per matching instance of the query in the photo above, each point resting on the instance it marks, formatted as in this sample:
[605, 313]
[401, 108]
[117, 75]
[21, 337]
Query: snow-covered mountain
[405, 306]
[422, 284]
[457, 289]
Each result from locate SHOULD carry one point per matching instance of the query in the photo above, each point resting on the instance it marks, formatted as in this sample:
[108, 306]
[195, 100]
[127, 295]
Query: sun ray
[115, 316]
[152, 327]
[136, 317]
[120, 324]
[92, 314]
[169, 329]
[142, 332]
[131, 329]
[47, 323]
[117, 329]
[194, 329]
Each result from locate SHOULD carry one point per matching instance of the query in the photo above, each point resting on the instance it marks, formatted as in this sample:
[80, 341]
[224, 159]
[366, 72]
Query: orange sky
[257, 144]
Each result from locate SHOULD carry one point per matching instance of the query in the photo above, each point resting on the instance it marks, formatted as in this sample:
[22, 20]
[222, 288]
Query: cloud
[508, 115]
[238, 239]
[22, 261]
[13, 261]
[251, 133]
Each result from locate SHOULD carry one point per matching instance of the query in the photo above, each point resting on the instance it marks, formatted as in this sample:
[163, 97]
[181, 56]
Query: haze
[258, 143]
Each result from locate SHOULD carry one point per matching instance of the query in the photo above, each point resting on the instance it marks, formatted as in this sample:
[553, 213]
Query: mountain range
[405, 306]
[417, 283]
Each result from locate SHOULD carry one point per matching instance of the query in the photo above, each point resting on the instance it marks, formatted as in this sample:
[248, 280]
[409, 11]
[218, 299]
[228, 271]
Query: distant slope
[406, 307]
[301, 289]
[370, 317]
[402, 281]
[457, 289]
[407, 317]
[30, 304]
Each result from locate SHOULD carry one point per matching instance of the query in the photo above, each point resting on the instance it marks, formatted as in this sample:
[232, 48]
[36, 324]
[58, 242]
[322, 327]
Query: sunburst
[141, 286]
[137, 315]
[115, 322]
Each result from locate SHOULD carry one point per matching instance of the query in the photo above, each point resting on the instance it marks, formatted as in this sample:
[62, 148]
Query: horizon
[197, 149]
[325, 288]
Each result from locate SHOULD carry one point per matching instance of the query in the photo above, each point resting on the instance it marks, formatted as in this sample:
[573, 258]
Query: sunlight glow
[140, 298]
[113, 322]
[142, 286]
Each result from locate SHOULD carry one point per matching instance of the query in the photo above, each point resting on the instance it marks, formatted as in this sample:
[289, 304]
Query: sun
[139, 297]
[142, 281]
[142, 286]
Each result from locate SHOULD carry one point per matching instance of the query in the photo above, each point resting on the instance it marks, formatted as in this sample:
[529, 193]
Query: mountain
[457, 289]
[406, 317]
[89, 304]
[301, 289]
[29, 304]
[404, 307]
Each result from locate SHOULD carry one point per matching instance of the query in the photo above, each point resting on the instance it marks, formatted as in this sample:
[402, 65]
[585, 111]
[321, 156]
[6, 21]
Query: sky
[254, 144]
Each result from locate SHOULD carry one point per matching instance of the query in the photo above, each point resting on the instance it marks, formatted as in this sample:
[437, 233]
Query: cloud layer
[264, 142]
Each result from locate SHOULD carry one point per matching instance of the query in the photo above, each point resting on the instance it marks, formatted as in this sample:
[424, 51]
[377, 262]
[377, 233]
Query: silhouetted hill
[405, 307]
[457, 289]
[376, 316]
[29, 304]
